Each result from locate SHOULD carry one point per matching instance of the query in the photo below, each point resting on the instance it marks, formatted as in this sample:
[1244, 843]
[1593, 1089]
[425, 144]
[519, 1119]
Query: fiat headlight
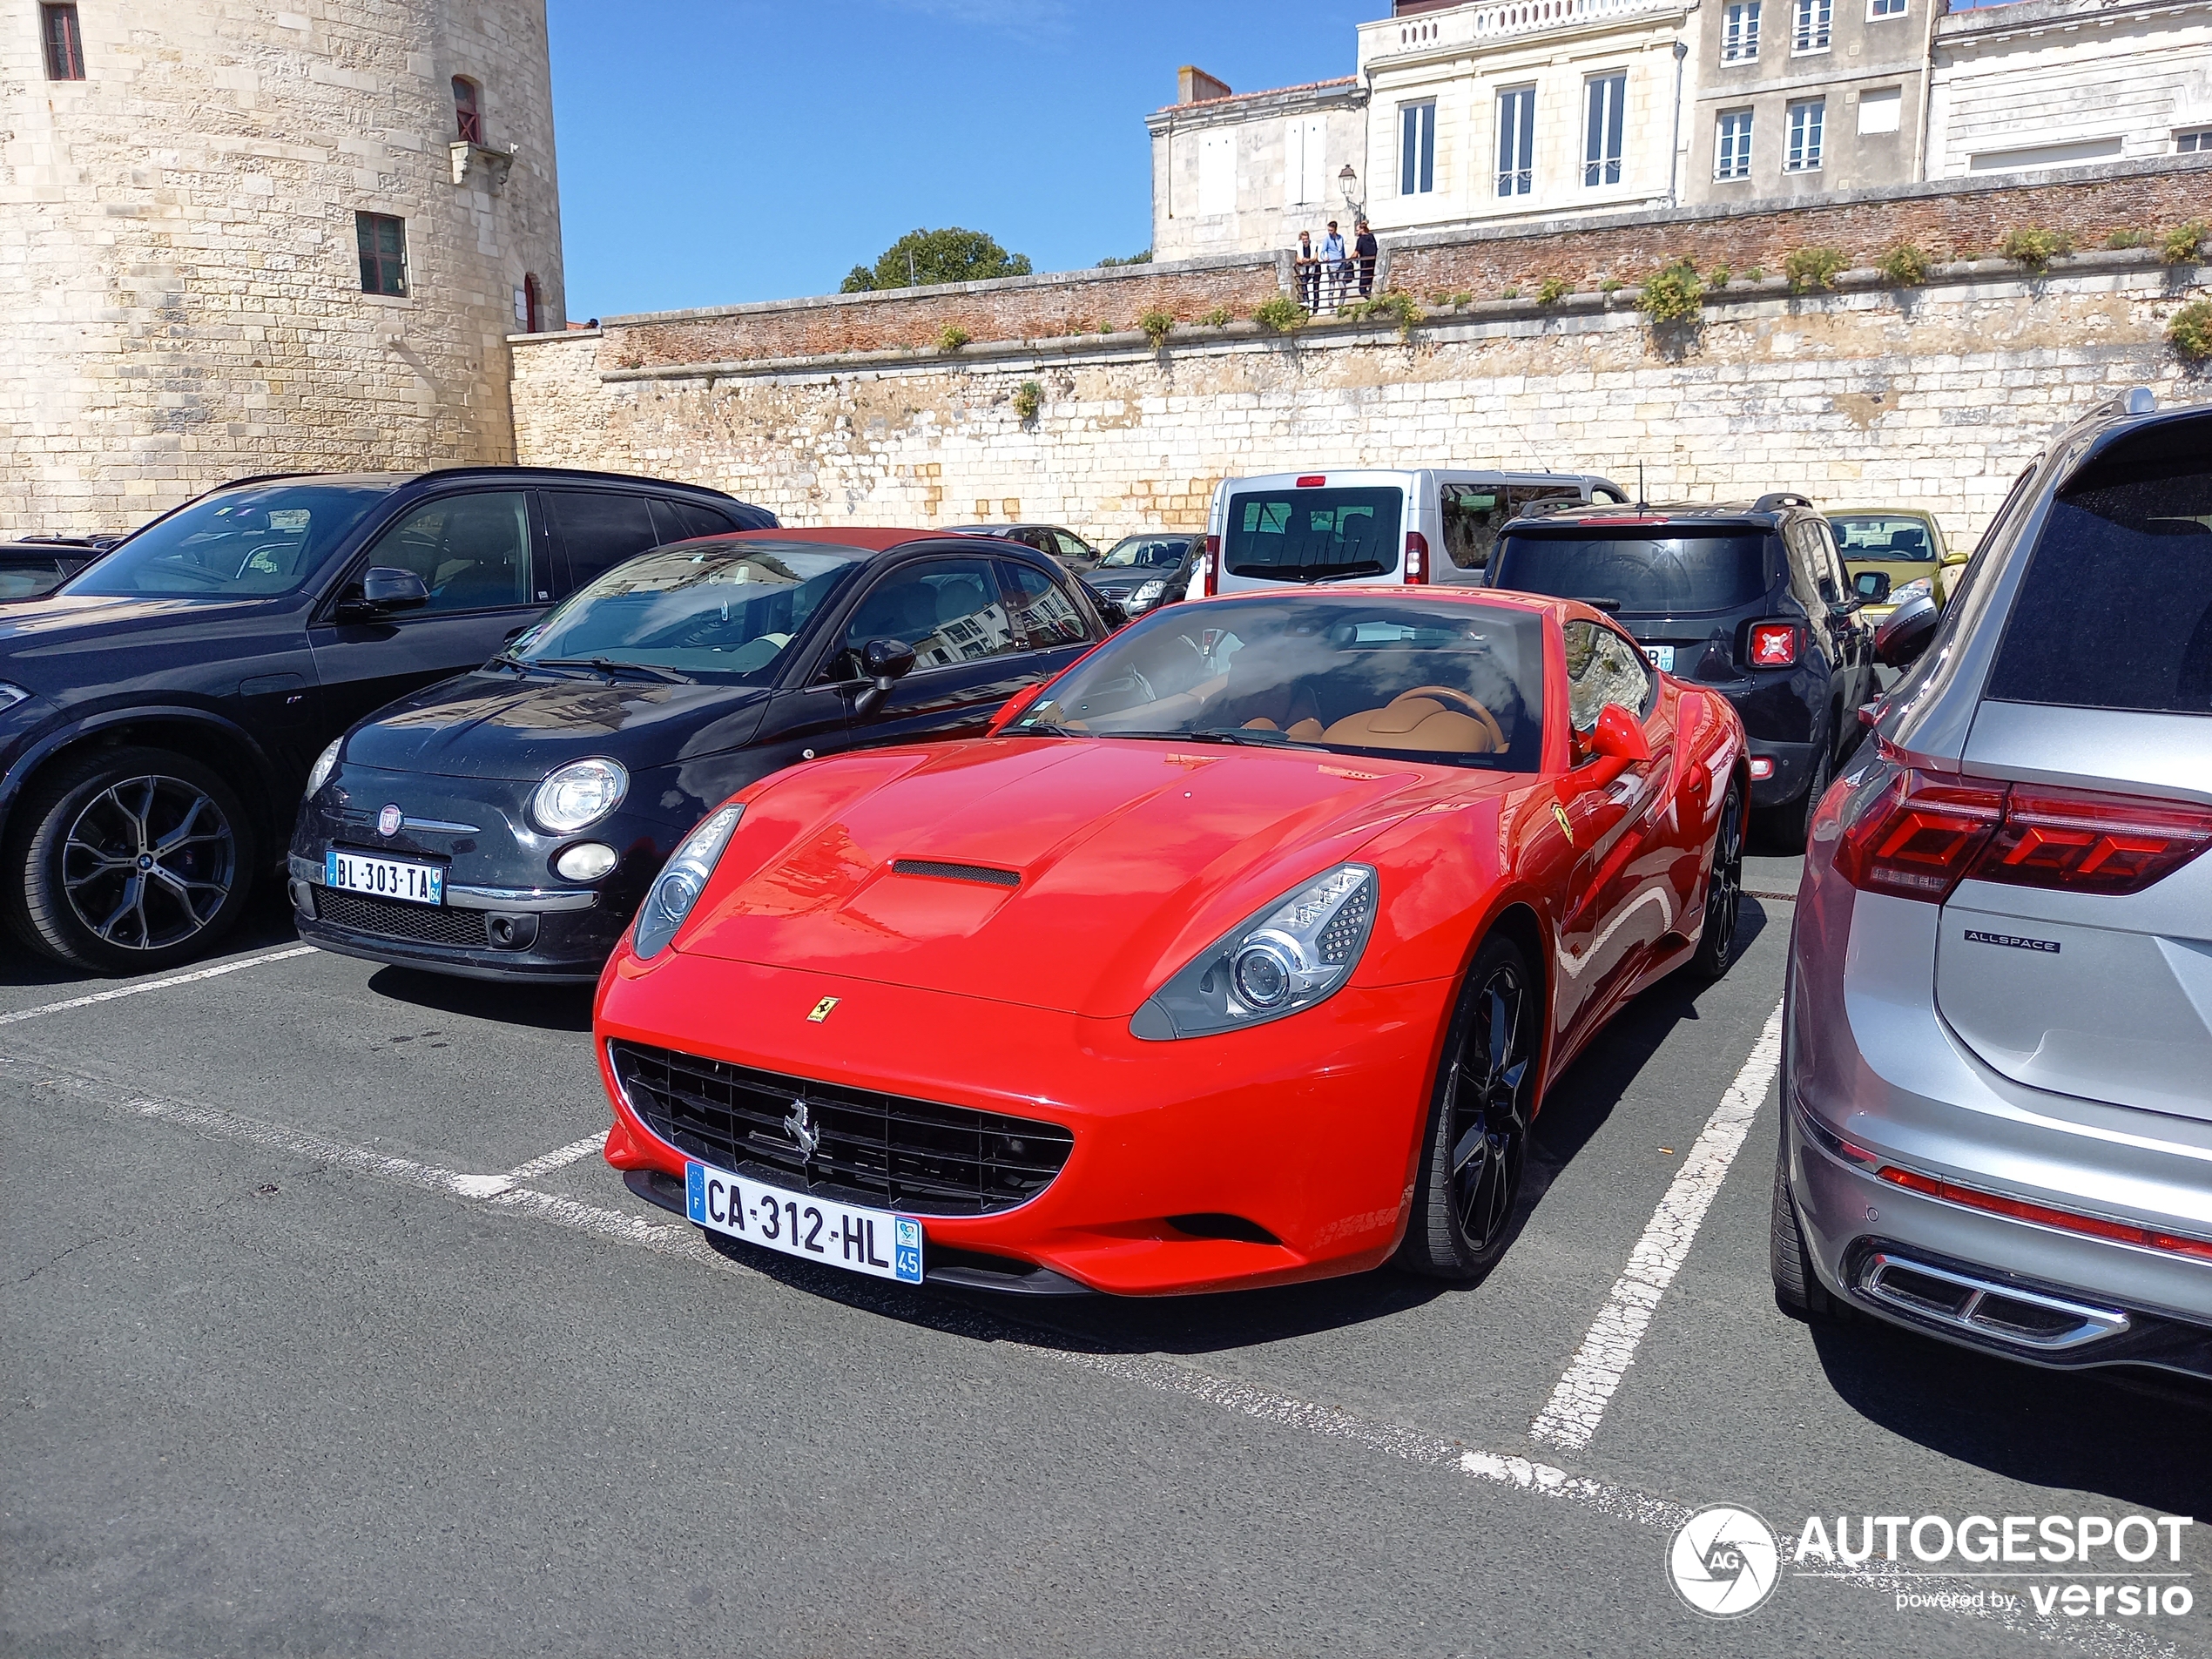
[681, 881]
[578, 795]
[1924, 588]
[326, 763]
[1292, 954]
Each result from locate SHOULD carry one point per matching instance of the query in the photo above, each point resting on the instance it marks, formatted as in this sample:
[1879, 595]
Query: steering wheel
[1489, 720]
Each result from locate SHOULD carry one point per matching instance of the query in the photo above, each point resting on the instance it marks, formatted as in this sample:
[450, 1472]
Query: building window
[1607, 97]
[1806, 121]
[1877, 9]
[2186, 144]
[64, 43]
[468, 112]
[1217, 173]
[1740, 32]
[1881, 110]
[528, 310]
[1305, 161]
[1417, 148]
[1732, 146]
[1814, 17]
[382, 240]
[1516, 141]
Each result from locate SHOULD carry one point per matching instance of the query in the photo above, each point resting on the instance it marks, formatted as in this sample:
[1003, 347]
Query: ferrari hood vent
[938, 867]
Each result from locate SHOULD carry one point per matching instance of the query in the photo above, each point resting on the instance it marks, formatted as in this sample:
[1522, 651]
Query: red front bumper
[1307, 1125]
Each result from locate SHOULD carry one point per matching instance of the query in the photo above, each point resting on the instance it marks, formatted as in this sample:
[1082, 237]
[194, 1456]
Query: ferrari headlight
[1291, 955]
[681, 881]
[578, 795]
[326, 763]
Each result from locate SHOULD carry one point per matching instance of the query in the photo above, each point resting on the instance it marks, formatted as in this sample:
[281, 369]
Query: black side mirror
[1899, 641]
[384, 590]
[885, 663]
[1873, 586]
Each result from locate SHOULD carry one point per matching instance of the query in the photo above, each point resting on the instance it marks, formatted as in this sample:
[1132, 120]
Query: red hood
[1132, 856]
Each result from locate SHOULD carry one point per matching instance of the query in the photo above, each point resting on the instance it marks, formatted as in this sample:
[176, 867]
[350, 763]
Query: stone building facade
[182, 233]
[2043, 84]
[1232, 173]
[1808, 98]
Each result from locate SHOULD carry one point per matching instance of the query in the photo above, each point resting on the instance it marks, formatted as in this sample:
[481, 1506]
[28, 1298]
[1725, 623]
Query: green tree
[921, 258]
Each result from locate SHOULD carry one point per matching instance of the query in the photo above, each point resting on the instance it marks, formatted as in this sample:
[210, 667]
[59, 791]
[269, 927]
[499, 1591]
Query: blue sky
[717, 152]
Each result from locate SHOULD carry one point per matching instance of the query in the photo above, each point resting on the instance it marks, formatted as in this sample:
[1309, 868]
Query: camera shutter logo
[1723, 1562]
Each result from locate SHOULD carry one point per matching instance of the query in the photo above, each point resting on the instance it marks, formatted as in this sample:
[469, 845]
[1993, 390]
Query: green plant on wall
[1157, 326]
[952, 337]
[1611, 285]
[1814, 267]
[1672, 293]
[2179, 245]
[1281, 313]
[1028, 400]
[1395, 304]
[1552, 290]
[2190, 331]
[2035, 246]
[2121, 240]
[1906, 265]
[1219, 317]
[1719, 277]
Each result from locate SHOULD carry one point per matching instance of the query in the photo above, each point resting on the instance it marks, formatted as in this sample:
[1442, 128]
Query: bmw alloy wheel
[148, 863]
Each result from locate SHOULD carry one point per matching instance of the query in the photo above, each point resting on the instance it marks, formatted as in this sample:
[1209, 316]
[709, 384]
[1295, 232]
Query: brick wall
[1936, 396]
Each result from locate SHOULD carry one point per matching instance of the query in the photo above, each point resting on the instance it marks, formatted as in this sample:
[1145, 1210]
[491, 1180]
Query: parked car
[1904, 545]
[1076, 555]
[504, 825]
[1232, 959]
[1370, 524]
[158, 712]
[1147, 571]
[1748, 599]
[33, 566]
[1999, 1025]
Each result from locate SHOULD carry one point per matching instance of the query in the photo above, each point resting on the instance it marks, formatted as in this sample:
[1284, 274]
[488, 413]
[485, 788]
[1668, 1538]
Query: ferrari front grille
[866, 1147]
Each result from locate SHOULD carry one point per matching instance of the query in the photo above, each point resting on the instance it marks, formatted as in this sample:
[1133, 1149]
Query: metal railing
[1328, 284]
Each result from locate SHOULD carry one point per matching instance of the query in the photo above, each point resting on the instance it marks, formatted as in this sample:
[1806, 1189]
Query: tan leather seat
[1412, 721]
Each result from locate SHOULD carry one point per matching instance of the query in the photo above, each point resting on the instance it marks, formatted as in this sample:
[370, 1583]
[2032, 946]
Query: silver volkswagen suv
[1997, 1067]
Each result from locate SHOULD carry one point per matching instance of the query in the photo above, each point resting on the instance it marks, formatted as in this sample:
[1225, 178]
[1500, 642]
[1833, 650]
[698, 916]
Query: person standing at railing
[1369, 251]
[1335, 267]
[1309, 273]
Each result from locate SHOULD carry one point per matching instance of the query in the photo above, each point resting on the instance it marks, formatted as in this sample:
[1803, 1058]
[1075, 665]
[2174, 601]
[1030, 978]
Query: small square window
[1807, 121]
[1877, 9]
[1881, 110]
[64, 43]
[383, 240]
[2186, 144]
[1732, 146]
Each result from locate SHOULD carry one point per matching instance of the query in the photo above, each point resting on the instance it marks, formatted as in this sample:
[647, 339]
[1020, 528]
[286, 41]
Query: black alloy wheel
[132, 860]
[1478, 1139]
[1723, 889]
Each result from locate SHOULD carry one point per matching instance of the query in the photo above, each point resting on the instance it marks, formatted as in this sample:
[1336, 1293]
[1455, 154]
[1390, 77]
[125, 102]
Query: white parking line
[560, 1159]
[1660, 1515]
[1578, 1404]
[157, 984]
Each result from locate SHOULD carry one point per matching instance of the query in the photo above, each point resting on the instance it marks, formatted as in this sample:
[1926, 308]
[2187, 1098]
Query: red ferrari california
[1239, 954]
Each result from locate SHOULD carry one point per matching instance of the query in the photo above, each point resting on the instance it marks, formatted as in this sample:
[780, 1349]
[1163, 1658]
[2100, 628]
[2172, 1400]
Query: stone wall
[1869, 395]
[183, 298]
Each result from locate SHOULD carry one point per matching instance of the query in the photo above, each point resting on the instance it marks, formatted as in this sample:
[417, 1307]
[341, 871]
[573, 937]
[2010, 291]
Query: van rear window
[2114, 611]
[1673, 575]
[1313, 534]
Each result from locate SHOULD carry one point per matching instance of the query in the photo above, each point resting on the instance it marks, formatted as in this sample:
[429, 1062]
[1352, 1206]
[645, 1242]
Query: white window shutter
[1217, 173]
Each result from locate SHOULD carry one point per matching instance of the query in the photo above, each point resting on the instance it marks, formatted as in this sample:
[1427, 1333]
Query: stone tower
[236, 238]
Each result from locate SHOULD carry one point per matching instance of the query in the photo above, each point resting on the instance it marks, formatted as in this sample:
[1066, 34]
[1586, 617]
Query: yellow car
[1905, 544]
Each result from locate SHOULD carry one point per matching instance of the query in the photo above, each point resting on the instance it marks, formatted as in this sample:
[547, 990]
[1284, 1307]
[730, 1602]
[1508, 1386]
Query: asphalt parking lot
[328, 1332]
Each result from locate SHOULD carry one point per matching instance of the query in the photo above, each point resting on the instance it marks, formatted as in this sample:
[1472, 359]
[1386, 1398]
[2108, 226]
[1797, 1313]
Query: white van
[1369, 525]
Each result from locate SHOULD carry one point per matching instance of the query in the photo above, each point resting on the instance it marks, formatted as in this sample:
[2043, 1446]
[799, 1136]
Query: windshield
[1454, 683]
[728, 611]
[236, 544]
[1313, 534]
[1151, 552]
[1670, 575]
[1883, 536]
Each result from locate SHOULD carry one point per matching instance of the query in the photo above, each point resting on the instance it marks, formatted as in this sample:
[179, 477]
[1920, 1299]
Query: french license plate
[1663, 657]
[385, 878]
[876, 1242]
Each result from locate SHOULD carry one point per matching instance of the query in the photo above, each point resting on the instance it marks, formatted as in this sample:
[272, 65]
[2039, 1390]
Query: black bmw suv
[160, 710]
[1751, 600]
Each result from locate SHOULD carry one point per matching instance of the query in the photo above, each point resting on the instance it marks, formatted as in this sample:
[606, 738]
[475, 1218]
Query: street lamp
[1349, 181]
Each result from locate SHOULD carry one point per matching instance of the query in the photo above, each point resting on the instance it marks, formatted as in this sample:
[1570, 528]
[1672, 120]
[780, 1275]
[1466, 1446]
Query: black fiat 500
[506, 824]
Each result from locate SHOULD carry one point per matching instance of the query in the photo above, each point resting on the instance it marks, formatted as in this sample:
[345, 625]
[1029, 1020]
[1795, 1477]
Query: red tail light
[1416, 557]
[1927, 831]
[2044, 1216]
[1211, 566]
[1774, 645]
[1312, 481]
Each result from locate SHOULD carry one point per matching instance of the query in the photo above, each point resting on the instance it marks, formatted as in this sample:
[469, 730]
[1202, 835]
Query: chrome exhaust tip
[1984, 1307]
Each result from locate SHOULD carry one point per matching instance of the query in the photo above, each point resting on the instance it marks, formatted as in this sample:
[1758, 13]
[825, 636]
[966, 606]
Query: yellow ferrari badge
[1564, 828]
[822, 1010]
